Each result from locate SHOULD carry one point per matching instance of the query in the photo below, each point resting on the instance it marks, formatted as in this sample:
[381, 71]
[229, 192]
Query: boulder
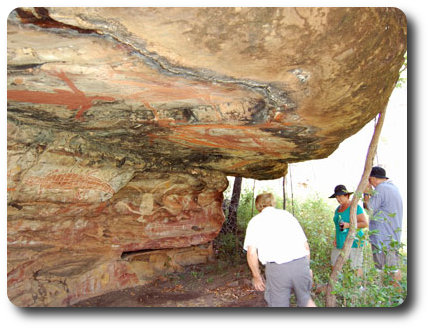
[123, 124]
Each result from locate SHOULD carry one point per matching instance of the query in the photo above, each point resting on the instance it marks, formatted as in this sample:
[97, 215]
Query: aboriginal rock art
[70, 181]
[74, 100]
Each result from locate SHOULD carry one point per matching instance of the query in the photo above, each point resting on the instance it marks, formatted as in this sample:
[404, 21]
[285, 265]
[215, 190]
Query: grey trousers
[282, 278]
[390, 259]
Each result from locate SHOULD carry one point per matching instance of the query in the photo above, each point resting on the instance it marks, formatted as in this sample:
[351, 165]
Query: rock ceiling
[244, 91]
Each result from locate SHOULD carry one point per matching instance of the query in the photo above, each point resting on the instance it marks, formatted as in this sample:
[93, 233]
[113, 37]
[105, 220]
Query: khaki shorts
[356, 256]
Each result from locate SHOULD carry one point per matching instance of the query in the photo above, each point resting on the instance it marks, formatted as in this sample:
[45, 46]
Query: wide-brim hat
[340, 190]
[378, 172]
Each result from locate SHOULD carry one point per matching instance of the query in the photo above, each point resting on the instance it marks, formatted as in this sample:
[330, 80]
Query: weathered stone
[66, 248]
[124, 122]
[241, 90]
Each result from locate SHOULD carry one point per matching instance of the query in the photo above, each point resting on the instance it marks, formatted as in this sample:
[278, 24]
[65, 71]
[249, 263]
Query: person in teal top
[344, 217]
[341, 222]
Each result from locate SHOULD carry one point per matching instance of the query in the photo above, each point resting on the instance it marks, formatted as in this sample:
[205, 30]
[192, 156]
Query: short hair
[264, 200]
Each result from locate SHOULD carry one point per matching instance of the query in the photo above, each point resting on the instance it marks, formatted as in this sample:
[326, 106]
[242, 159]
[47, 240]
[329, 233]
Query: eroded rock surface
[124, 122]
[71, 241]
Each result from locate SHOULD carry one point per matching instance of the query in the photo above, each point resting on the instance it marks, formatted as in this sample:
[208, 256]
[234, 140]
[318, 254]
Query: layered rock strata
[76, 231]
[123, 124]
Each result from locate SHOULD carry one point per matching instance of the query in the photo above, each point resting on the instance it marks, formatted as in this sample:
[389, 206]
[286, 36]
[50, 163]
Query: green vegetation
[315, 215]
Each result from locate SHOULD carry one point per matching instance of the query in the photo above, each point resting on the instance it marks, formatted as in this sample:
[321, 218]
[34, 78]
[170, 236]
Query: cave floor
[215, 284]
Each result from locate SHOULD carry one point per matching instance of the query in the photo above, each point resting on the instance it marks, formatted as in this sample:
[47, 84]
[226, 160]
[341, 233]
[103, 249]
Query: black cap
[378, 172]
[340, 190]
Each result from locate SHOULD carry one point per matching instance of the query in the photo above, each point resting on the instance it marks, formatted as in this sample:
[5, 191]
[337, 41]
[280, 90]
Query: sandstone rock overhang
[244, 91]
[123, 124]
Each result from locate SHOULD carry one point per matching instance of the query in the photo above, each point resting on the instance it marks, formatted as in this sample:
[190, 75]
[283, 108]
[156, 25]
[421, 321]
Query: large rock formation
[124, 122]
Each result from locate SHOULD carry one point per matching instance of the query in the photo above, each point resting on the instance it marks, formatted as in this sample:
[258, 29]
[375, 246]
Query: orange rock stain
[74, 100]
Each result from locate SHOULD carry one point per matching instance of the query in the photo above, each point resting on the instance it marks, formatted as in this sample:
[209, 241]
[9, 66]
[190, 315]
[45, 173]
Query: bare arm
[252, 258]
[309, 257]
[308, 249]
[362, 221]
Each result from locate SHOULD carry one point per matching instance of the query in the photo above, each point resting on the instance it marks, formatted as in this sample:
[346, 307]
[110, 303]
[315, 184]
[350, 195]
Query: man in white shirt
[276, 238]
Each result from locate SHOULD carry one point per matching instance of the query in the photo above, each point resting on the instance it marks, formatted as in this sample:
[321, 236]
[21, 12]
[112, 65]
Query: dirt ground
[207, 285]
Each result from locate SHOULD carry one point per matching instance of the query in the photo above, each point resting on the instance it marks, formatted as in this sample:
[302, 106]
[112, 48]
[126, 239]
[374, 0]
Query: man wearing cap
[386, 207]
[276, 238]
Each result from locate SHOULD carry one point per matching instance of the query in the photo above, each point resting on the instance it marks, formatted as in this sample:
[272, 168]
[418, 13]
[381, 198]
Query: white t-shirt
[277, 235]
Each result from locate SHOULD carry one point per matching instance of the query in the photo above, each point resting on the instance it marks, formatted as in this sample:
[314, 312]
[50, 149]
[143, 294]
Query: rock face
[124, 122]
[76, 231]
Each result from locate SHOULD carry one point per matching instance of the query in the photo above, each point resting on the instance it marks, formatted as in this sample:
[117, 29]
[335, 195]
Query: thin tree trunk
[330, 298]
[234, 204]
[252, 201]
[284, 201]
[232, 211]
[291, 186]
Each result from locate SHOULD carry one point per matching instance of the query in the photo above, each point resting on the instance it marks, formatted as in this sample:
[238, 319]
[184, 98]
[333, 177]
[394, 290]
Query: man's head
[377, 176]
[264, 200]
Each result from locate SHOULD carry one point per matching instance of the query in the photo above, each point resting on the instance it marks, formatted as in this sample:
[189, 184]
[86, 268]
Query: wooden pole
[252, 201]
[292, 193]
[284, 199]
[330, 298]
